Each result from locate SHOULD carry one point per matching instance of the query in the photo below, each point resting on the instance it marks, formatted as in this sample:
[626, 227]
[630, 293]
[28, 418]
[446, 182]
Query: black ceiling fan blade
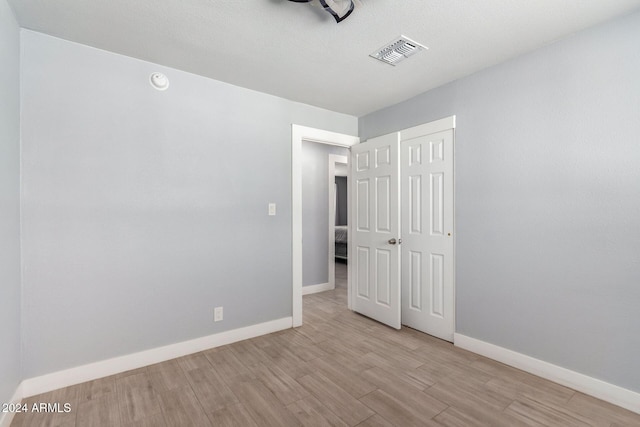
[339, 18]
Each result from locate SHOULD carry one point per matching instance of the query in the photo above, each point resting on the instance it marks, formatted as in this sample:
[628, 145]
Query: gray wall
[548, 199]
[9, 203]
[342, 209]
[143, 210]
[315, 211]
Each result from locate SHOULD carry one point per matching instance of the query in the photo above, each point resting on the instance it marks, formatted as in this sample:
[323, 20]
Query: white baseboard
[104, 368]
[594, 387]
[320, 287]
[7, 417]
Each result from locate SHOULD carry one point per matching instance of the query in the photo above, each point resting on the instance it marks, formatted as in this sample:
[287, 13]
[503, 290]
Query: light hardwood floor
[339, 369]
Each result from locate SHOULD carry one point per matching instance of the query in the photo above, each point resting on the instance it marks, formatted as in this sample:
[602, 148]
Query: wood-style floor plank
[466, 392]
[249, 354]
[232, 416]
[225, 363]
[136, 398]
[477, 417]
[404, 377]
[300, 346]
[336, 399]
[400, 389]
[396, 411]
[311, 413]
[262, 405]
[596, 409]
[181, 407]
[283, 387]
[131, 372]
[348, 380]
[97, 389]
[194, 361]
[537, 413]
[167, 376]
[212, 392]
[286, 360]
[152, 421]
[103, 411]
[517, 387]
[338, 369]
[375, 421]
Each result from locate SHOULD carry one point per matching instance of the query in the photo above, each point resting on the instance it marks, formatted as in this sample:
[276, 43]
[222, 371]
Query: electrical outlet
[272, 209]
[217, 314]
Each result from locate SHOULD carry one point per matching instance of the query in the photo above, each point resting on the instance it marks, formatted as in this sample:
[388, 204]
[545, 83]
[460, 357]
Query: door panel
[437, 285]
[383, 197]
[375, 177]
[362, 206]
[437, 223]
[427, 228]
[362, 271]
[415, 280]
[415, 204]
[383, 279]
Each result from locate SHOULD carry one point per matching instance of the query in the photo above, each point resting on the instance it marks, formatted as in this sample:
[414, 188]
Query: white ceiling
[297, 51]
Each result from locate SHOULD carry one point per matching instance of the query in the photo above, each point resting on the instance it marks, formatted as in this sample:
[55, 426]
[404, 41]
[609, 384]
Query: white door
[375, 253]
[427, 231]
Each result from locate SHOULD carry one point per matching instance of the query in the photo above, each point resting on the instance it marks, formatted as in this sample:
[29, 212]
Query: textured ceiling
[297, 51]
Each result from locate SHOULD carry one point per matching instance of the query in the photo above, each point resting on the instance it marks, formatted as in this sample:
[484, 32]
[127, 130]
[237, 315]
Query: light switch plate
[272, 209]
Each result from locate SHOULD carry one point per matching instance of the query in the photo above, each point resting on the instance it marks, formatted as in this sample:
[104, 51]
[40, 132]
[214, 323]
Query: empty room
[319, 213]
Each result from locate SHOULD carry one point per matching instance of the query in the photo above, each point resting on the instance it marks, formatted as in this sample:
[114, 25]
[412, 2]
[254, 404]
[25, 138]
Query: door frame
[299, 134]
[333, 159]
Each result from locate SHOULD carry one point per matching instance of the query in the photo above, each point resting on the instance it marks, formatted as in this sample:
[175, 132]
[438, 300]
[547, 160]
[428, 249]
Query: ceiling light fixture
[339, 9]
[159, 81]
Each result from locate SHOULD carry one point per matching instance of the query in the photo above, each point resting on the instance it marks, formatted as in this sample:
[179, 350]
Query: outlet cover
[218, 314]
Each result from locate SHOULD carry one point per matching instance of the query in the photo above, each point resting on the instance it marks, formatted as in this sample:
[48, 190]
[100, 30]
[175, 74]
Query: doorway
[322, 224]
[338, 231]
[300, 134]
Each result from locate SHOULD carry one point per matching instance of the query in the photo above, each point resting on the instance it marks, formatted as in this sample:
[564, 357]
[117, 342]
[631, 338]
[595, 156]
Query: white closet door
[427, 228]
[375, 255]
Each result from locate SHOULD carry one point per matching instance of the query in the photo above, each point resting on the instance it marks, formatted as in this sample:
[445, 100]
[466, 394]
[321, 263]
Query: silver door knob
[394, 241]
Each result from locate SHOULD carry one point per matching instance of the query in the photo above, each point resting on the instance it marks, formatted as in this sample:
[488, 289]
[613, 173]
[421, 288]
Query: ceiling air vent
[399, 49]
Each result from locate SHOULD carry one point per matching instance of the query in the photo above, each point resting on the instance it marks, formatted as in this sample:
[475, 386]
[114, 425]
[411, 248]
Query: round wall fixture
[159, 81]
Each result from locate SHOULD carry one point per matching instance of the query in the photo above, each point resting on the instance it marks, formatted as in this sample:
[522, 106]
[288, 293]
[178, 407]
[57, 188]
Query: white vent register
[398, 50]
